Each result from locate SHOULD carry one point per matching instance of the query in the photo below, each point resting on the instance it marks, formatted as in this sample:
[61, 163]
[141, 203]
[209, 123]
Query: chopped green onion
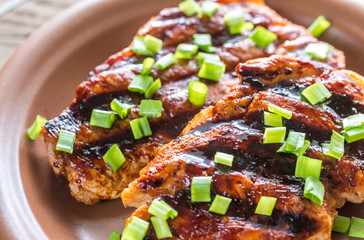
[157, 84]
[114, 236]
[353, 121]
[262, 37]
[224, 158]
[336, 147]
[266, 205]
[247, 26]
[151, 108]
[319, 26]
[36, 127]
[139, 47]
[172, 213]
[147, 66]
[235, 21]
[279, 110]
[122, 109]
[114, 158]
[140, 128]
[295, 140]
[318, 50]
[166, 61]
[220, 204]
[354, 134]
[356, 227]
[200, 189]
[298, 151]
[186, 51]
[316, 93]
[274, 135]
[153, 44]
[341, 224]
[159, 210]
[197, 92]
[308, 167]
[102, 118]
[189, 7]
[272, 119]
[201, 57]
[209, 8]
[314, 190]
[136, 229]
[140, 83]
[203, 41]
[211, 70]
[65, 142]
[161, 228]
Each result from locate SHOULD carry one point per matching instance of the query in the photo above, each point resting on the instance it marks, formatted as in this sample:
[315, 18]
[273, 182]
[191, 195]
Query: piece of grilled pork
[89, 178]
[235, 126]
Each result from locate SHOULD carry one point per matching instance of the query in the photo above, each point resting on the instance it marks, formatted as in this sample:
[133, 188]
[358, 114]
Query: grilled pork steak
[235, 126]
[90, 180]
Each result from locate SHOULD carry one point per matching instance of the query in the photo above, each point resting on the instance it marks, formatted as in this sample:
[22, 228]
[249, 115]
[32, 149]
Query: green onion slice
[172, 213]
[272, 119]
[316, 93]
[114, 158]
[114, 236]
[122, 109]
[197, 92]
[140, 84]
[224, 158]
[36, 127]
[201, 57]
[136, 229]
[319, 26]
[298, 151]
[235, 22]
[159, 210]
[153, 44]
[341, 224]
[189, 7]
[186, 51]
[336, 147]
[140, 128]
[266, 205]
[166, 61]
[161, 228]
[262, 37]
[314, 190]
[295, 140]
[220, 204]
[151, 108]
[203, 41]
[279, 110]
[354, 134]
[102, 118]
[147, 66]
[209, 8]
[318, 50]
[212, 70]
[200, 189]
[274, 135]
[308, 167]
[157, 84]
[65, 142]
[356, 227]
[353, 121]
[139, 47]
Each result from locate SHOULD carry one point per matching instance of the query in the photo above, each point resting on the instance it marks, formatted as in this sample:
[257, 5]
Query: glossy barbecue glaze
[89, 178]
[235, 125]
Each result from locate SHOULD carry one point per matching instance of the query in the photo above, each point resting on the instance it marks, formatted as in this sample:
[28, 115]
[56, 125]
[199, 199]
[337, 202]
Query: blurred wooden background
[19, 18]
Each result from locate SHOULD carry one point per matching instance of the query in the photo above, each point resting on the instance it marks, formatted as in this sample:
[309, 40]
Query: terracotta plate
[42, 76]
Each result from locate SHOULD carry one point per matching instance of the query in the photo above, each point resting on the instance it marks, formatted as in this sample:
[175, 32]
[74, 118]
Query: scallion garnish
[166, 61]
[356, 227]
[200, 189]
[140, 128]
[157, 84]
[122, 109]
[318, 50]
[295, 140]
[203, 41]
[224, 158]
[316, 93]
[354, 134]
[140, 84]
[314, 190]
[211, 70]
[353, 121]
[197, 92]
[153, 44]
[336, 147]
[308, 167]
[114, 158]
[274, 135]
[341, 224]
[102, 118]
[272, 119]
[139, 47]
[160, 210]
[161, 228]
[189, 7]
[262, 37]
[220, 204]
[209, 8]
[114, 236]
[266, 205]
[65, 142]
[136, 229]
[279, 110]
[235, 22]
[186, 51]
[201, 57]
[319, 26]
[172, 213]
[147, 66]
[36, 127]
[151, 108]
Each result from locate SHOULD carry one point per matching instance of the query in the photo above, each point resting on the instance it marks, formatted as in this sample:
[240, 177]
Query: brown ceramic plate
[42, 76]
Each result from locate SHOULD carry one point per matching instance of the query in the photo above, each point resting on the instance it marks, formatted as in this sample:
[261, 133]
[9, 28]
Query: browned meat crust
[235, 125]
[89, 179]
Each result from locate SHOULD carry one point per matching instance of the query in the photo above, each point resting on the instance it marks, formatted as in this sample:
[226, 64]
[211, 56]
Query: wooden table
[23, 18]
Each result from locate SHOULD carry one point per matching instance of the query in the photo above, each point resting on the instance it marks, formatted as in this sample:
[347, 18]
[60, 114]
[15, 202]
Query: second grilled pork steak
[235, 126]
[90, 180]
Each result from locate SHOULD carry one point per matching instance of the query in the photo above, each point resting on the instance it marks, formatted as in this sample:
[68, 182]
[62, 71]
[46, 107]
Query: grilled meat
[90, 180]
[235, 126]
